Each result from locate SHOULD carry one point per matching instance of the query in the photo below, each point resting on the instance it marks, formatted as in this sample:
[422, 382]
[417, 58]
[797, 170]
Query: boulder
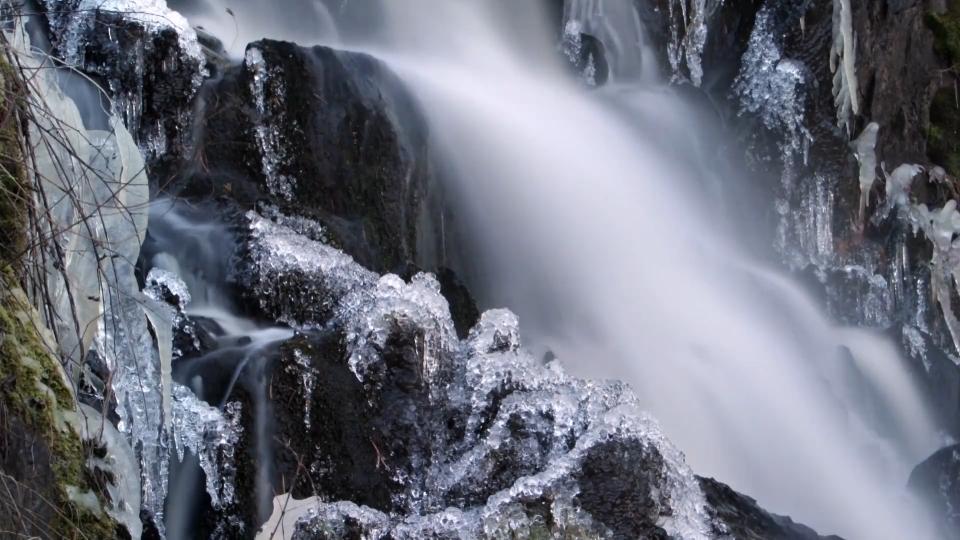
[329, 135]
[937, 480]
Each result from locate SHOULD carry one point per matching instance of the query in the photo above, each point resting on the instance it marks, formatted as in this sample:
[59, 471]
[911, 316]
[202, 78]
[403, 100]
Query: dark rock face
[738, 515]
[936, 372]
[335, 408]
[938, 481]
[324, 134]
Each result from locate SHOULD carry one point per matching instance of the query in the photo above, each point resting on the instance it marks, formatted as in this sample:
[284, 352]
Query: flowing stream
[593, 214]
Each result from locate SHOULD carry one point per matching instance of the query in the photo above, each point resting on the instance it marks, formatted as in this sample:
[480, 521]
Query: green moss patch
[946, 32]
[14, 188]
[41, 454]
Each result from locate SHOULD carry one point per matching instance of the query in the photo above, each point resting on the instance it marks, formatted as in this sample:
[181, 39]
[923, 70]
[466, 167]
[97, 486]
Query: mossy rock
[14, 189]
[42, 457]
[943, 134]
[946, 32]
[48, 490]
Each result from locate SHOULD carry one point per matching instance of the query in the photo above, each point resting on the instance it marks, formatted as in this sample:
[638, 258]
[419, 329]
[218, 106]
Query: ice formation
[772, 87]
[863, 147]
[289, 265]
[941, 227]
[120, 461]
[94, 185]
[268, 133]
[153, 15]
[545, 428]
[843, 61]
[938, 174]
[693, 16]
[572, 46]
[212, 436]
[898, 187]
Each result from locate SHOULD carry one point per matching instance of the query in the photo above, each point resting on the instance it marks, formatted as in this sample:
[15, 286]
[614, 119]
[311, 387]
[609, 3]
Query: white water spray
[574, 209]
[608, 250]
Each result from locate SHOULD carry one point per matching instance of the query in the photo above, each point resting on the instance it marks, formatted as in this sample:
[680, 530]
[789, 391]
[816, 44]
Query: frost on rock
[843, 61]
[268, 136]
[485, 434]
[212, 436]
[863, 147]
[278, 264]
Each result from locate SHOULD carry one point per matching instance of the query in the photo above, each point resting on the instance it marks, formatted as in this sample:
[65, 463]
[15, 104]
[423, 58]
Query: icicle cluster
[843, 62]
[693, 17]
[940, 227]
[267, 130]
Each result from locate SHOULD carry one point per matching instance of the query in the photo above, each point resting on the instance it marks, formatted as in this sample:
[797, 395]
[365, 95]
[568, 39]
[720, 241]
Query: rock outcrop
[937, 480]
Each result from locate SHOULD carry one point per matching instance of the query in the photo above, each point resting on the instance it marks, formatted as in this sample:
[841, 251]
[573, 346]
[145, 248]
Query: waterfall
[580, 221]
[598, 217]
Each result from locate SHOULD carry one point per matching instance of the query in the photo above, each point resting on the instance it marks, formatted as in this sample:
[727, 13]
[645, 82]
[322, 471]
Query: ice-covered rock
[148, 56]
[333, 136]
[772, 87]
[278, 264]
[585, 54]
[417, 434]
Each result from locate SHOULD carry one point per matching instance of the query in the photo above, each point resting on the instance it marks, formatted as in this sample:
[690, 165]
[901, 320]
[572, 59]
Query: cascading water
[580, 220]
[587, 219]
[182, 246]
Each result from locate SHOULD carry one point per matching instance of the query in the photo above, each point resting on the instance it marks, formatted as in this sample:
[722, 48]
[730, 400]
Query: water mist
[588, 219]
[582, 221]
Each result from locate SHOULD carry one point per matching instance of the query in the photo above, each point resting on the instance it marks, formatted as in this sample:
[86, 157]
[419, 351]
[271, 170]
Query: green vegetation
[943, 133]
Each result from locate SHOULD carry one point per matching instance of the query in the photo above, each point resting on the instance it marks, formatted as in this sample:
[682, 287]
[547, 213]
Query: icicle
[843, 60]
[864, 151]
[897, 188]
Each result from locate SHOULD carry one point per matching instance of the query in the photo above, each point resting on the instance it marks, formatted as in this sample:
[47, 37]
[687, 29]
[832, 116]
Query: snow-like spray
[603, 246]
[609, 249]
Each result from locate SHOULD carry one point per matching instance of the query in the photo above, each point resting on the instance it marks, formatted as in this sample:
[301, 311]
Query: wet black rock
[329, 135]
[936, 372]
[463, 308]
[937, 480]
[740, 517]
